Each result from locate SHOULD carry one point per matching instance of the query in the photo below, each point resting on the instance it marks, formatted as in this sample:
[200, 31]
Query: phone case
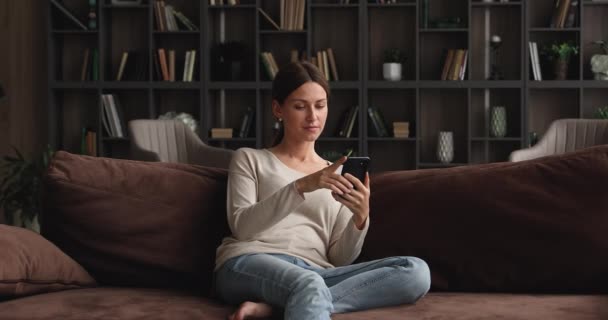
[357, 166]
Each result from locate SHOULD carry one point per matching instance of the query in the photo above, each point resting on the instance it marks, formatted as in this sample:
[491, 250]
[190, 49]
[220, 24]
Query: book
[351, 121]
[449, 57]
[269, 19]
[164, 66]
[85, 65]
[171, 65]
[68, 14]
[332, 64]
[121, 68]
[221, 132]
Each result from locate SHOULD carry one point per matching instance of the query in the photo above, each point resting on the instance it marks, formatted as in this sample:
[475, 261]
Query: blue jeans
[307, 292]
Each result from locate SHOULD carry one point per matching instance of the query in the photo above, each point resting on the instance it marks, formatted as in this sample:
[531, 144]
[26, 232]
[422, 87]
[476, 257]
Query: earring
[280, 119]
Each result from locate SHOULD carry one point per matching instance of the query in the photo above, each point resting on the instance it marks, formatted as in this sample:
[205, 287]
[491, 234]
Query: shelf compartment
[280, 45]
[385, 22]
[273, 9]
[127, 32]
[342, 40]
[433, 52]
[70, 54]
[180, 44]
[499, 151]
[227, 108]
[547, 105]
[479, 151]
[178, 101]
[232, 58]
[443, 110]
[188, 8]
[596, 28]
[593, 98]
[394, 105]
[340, 102]
[392, 155]
[432, 11]
[506, 22]
[77, 109]
[79, 10]
[481, 103]
[545, 40]
[541, 11]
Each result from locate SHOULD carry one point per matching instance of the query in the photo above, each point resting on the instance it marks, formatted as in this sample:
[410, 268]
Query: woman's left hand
[357, 200]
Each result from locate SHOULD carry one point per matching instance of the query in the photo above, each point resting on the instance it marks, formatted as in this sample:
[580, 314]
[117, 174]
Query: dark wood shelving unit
[358, 33]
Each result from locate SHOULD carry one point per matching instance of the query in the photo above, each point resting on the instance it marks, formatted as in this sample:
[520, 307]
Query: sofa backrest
[534, 226]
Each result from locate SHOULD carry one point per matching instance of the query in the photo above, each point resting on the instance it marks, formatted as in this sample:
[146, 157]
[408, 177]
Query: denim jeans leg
[261, 277]
[379, 283]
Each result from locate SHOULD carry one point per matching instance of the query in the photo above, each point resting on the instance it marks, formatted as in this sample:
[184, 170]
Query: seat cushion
[132, 223]
[532, 226]
[131, 303]
[30, 264]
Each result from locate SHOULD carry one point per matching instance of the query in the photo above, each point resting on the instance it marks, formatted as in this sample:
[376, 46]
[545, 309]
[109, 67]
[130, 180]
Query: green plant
[562, 51]
[21, 185]
[602, 45]
[394, 55]
[602, 112]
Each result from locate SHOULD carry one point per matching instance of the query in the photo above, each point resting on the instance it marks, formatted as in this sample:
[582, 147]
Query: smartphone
[357, 166]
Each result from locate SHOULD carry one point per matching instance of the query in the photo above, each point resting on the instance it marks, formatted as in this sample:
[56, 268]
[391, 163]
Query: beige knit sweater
[267, 214]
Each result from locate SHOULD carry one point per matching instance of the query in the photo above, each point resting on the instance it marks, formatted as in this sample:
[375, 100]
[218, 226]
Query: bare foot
[250, 309]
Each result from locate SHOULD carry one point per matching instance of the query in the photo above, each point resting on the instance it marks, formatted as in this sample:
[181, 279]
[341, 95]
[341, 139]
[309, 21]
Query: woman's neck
[302, 152]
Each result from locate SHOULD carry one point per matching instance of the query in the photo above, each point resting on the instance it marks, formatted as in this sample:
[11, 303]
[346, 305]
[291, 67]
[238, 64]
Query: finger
[354, 180]
[343, 183]
[334, 166]
[367, 180]
[332, 187]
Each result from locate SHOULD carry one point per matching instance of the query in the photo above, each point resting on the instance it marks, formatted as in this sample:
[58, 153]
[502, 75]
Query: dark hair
[289, 78]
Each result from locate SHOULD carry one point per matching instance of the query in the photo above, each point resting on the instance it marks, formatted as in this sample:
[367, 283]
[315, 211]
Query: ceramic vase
[445, 146]
[498, 122]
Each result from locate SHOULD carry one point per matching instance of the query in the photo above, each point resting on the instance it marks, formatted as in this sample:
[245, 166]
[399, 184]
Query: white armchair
[173, 141]
[565, 135]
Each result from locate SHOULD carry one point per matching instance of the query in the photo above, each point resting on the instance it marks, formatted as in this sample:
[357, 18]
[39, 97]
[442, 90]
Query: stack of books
[221, 132]
[401, 129]
[167, 18]
[455, 64]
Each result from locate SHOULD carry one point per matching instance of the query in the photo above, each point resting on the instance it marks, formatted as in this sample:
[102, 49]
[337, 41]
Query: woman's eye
[299, 107]
[320, 106]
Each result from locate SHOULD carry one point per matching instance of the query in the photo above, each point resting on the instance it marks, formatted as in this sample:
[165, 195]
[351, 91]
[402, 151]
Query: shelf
[174, 33]
[391, 5]
[129, 6]
[555, 29]
[177, 85]
[594, 3]
[218, 85]
[508, 139]
[75, 85]
[371, 139]
[383, 84]
[554, 84]
[283, 32]
[496, 4]
[232, 7]
[78, 32]
[447, 30]
[594, 84]
[334, 5]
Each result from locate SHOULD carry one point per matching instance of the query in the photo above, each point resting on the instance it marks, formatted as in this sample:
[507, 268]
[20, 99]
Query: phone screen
[357, 166]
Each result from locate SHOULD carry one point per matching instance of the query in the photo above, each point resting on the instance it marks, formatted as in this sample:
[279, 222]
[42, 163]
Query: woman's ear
[276, 109]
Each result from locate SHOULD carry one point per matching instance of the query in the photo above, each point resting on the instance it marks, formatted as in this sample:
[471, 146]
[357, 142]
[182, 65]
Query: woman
[297, 223]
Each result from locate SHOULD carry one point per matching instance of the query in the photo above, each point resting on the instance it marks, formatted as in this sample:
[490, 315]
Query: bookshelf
[358, 32]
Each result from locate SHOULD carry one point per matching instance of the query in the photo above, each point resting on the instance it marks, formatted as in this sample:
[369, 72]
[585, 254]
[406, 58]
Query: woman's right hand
[326, 178]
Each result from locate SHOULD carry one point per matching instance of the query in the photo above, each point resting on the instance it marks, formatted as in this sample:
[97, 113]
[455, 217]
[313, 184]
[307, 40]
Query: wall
[23, 74]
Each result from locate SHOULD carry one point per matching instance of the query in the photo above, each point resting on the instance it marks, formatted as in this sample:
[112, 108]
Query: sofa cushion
[136, 223]
[533, 226]
[30, 264]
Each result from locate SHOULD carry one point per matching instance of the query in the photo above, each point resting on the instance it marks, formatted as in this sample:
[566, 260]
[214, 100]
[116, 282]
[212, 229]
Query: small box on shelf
[221, 133]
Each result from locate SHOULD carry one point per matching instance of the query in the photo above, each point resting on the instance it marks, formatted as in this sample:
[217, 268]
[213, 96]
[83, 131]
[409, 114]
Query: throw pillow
[134, 223]
[30, 264]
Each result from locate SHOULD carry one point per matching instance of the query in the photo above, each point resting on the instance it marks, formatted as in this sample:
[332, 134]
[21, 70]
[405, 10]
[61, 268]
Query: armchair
[172, 141]
[565, 135]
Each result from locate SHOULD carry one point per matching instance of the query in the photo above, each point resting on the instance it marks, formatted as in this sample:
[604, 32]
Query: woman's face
[304, 112]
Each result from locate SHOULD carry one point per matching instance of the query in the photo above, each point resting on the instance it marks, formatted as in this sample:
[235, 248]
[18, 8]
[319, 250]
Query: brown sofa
[136, 240]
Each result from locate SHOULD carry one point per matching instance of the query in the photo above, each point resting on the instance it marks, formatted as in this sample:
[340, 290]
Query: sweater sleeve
[346, 239]
[246, 215]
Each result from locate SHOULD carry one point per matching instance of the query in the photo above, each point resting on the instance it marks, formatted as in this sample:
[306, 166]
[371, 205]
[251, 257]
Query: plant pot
[561, 69]
[391, 71]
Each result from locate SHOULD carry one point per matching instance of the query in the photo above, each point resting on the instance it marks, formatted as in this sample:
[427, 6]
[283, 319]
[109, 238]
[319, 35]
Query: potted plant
[393, 60]
[21, 186]
[602, 112]
[599, 62]
[561, 54]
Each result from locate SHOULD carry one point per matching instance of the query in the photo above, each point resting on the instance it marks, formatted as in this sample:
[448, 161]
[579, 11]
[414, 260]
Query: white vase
[391, 71]
[445, 146]
[498, 122]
